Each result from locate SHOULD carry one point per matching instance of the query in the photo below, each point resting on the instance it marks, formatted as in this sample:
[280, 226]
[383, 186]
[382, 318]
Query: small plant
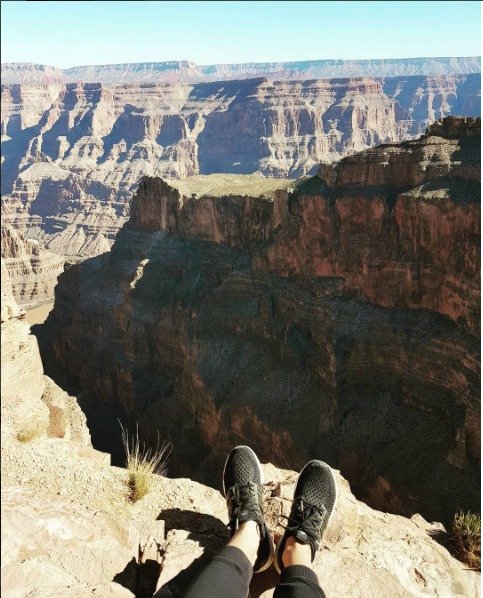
[466, 538]
[28, 432]
[142, 463]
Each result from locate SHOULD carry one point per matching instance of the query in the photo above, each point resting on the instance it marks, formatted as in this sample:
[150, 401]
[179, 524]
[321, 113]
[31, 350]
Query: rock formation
[101, 544]
[347, 565]
[337, 320]
[31, 400]
[69, 530]
[399, 223]
[48, 543]
[32, 270]
[189, 72]
[73, 153]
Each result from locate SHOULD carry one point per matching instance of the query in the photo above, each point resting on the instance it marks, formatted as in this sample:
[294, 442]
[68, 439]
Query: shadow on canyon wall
[340, 322]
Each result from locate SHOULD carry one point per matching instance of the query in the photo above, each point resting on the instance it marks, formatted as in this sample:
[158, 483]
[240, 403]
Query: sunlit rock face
[336, 320]
[32, 270]
[73, 153]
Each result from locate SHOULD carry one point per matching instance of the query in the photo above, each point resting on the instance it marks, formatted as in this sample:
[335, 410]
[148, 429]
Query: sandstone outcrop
[335, 320]
[49, 544]
[21, 368]
[189, 72]
[347, 564]
[32, 270]
[79, 546]
[31, 401]
[73, 154]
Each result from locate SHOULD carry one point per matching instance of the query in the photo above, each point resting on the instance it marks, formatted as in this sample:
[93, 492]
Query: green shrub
[142, 464]
[466, 538]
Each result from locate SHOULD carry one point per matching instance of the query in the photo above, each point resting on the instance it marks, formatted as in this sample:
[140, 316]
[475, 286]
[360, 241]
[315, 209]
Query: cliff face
[32, 270]
[31, 400]
[74, 153]
[337, 321]
[400, 224]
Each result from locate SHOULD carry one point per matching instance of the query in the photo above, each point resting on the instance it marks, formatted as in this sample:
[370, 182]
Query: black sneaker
[243, 490]
[314, 502]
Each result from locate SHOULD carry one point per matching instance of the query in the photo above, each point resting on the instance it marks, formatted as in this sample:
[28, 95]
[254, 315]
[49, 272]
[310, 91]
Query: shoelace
[244, 497]
[310, 519]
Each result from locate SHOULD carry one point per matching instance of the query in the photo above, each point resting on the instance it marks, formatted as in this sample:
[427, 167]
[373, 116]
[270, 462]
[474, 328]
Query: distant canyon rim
[76, 142]
[189, 72]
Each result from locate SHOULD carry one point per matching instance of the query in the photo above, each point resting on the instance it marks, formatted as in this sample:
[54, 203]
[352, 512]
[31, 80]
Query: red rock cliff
[338, 321]
[399, 223]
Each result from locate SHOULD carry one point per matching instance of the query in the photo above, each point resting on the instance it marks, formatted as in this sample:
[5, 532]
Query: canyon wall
[31, 400]
[336, 320]
[399, 223]
[68, 528]
[73, 153]
[32, 270]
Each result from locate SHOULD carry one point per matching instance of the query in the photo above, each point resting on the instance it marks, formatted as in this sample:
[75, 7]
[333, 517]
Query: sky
[73, 33]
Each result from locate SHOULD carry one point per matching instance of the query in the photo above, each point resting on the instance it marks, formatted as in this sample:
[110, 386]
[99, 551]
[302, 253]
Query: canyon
[73, 153]
[215, 233]
[68, 528]
[337, 318]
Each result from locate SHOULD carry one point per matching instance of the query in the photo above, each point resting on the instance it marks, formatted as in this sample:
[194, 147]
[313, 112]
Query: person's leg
[298, 579]
[314, 502]
[250, 548]
[231, 569]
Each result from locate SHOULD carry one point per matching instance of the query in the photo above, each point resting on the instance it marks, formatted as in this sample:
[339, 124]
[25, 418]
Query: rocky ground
[83, 534]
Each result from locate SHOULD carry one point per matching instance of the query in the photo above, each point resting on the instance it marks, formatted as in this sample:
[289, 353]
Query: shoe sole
[271, 557]
[328, 521]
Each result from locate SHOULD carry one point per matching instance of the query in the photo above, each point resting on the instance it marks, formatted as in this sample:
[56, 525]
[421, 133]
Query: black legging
[229, 574]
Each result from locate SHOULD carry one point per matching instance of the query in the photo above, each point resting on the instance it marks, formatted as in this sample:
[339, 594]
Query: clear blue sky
[73, 33]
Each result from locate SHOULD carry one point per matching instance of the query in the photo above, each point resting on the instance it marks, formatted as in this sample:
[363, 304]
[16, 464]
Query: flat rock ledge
[53, 545]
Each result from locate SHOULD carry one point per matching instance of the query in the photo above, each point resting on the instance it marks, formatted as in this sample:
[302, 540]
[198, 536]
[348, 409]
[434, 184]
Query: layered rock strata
[336, 321]
[189, 72]
[32, 270]
[73, 154]
[399, 224]
[31, 402]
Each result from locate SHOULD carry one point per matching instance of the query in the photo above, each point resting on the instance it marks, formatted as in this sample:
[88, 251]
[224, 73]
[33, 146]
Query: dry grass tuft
[142, 464]
[466, 538]
[28, 432]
